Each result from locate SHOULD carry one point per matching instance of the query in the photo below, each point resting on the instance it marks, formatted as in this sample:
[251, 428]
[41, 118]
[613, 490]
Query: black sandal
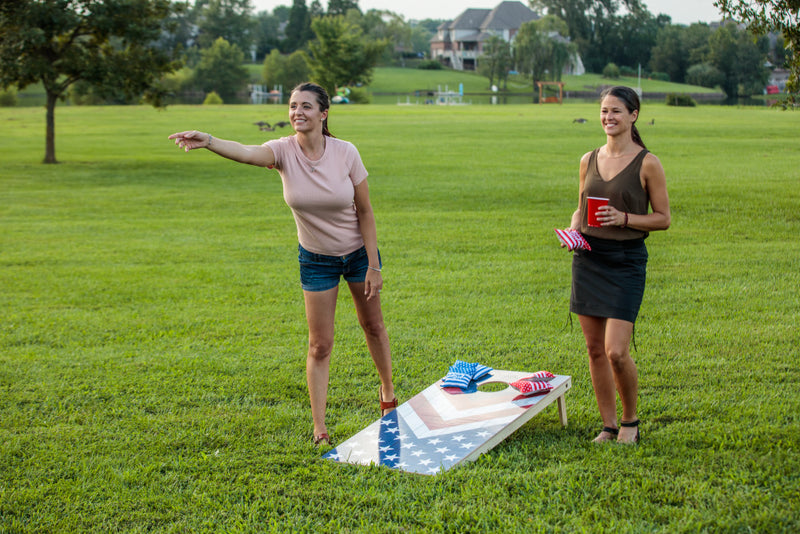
[632, 424]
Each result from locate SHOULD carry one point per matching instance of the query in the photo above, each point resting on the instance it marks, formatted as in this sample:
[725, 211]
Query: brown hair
[323, 100]
[630, 98]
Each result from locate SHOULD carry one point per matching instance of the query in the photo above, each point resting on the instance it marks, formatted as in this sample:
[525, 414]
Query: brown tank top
[624, 191]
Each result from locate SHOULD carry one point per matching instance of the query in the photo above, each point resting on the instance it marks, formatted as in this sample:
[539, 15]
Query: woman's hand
[191, 140]
[373, 283]
[611, 216]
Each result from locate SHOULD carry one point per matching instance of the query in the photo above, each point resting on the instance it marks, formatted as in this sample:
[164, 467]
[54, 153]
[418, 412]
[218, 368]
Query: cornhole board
[438, 428]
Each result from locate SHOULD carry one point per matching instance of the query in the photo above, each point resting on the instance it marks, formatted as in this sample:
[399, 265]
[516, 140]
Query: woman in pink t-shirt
[325, 185]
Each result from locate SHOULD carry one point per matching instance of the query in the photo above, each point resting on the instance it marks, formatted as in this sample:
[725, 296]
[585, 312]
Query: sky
[681, 11]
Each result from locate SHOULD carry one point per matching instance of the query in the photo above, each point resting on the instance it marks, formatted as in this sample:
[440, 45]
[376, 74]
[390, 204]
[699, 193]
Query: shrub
[611, 71]
[628, 71]
[8, 97]
[704, 75]
[358, 96]
[82, 93]
[680, 99]
[430, 64]
[178, 81]
[212, 99]
[661, 76]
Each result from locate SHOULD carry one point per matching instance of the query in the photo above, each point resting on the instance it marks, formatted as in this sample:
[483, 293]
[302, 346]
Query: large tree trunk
[50, 135]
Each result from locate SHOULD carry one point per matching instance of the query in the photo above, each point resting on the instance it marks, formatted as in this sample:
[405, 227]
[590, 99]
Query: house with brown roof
[459, 43]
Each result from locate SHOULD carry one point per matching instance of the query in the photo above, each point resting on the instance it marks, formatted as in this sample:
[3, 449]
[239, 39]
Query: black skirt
[608, 281]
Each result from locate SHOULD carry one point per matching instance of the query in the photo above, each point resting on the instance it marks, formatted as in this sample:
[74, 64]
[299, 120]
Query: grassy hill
[404, 81]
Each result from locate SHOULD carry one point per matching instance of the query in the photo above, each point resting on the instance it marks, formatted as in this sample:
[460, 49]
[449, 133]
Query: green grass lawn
[152, 334]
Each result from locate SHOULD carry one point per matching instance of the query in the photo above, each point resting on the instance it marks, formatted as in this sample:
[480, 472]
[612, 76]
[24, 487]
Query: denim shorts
[319, 272]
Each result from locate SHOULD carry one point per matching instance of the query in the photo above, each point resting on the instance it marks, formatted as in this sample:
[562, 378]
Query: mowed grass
[152, 332]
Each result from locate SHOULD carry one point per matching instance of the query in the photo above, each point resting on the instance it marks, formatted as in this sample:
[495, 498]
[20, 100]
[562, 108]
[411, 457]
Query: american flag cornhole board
[438, 428]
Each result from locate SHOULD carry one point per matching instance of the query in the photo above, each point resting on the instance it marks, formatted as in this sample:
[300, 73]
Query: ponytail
[636, 137]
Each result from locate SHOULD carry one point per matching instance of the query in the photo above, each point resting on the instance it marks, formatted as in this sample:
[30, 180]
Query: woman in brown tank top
[608, 281]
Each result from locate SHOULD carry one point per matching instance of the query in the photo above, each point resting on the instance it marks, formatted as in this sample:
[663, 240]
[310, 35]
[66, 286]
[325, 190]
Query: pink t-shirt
[321, 194]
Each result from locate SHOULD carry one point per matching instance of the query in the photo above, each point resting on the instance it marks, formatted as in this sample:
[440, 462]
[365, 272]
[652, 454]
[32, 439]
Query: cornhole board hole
[438, 429]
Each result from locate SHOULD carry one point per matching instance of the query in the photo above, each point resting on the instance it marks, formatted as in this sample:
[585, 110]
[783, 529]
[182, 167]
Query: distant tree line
[610, 36]
[616, 37]
[126, 51]
[334, 46]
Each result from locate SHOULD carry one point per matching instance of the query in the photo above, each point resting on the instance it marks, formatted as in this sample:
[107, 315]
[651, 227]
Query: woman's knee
[373, 327]
[596, 351]
[320, 349]
[618, 356]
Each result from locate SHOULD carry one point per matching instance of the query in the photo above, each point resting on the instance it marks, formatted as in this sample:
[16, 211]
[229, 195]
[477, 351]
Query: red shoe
[386, 405]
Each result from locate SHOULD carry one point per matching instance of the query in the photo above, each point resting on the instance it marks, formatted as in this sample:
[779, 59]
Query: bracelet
[210, 138]
[625, 224]
[373, 268]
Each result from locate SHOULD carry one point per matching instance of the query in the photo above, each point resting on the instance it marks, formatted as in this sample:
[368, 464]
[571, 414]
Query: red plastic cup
[592, 205]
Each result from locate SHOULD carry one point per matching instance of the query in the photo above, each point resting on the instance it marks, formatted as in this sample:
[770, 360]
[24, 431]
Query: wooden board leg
[562, 410]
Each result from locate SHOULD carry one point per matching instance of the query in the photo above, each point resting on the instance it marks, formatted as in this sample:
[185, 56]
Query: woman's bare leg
[594, 331]
[320, 314]
[370, 317]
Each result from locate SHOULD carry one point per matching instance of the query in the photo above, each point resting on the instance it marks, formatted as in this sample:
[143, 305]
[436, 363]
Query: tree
[592, 25]
[696, 38]
[298, 29]
[109, 44]
[678, 48]
[267, 36]
[283, 12]
[230, 19]
[740, 60]
[378, 24]
[341, 7]
[287, 71]
[182, 32]
[315, 10]
[633, 37]
[559, 50]
[341, 55]
[421, 39]
[297, 70]
[669, 53]
[763, 16]
[531, 51]
[496, 59]
[541, 51]
[221, 69]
